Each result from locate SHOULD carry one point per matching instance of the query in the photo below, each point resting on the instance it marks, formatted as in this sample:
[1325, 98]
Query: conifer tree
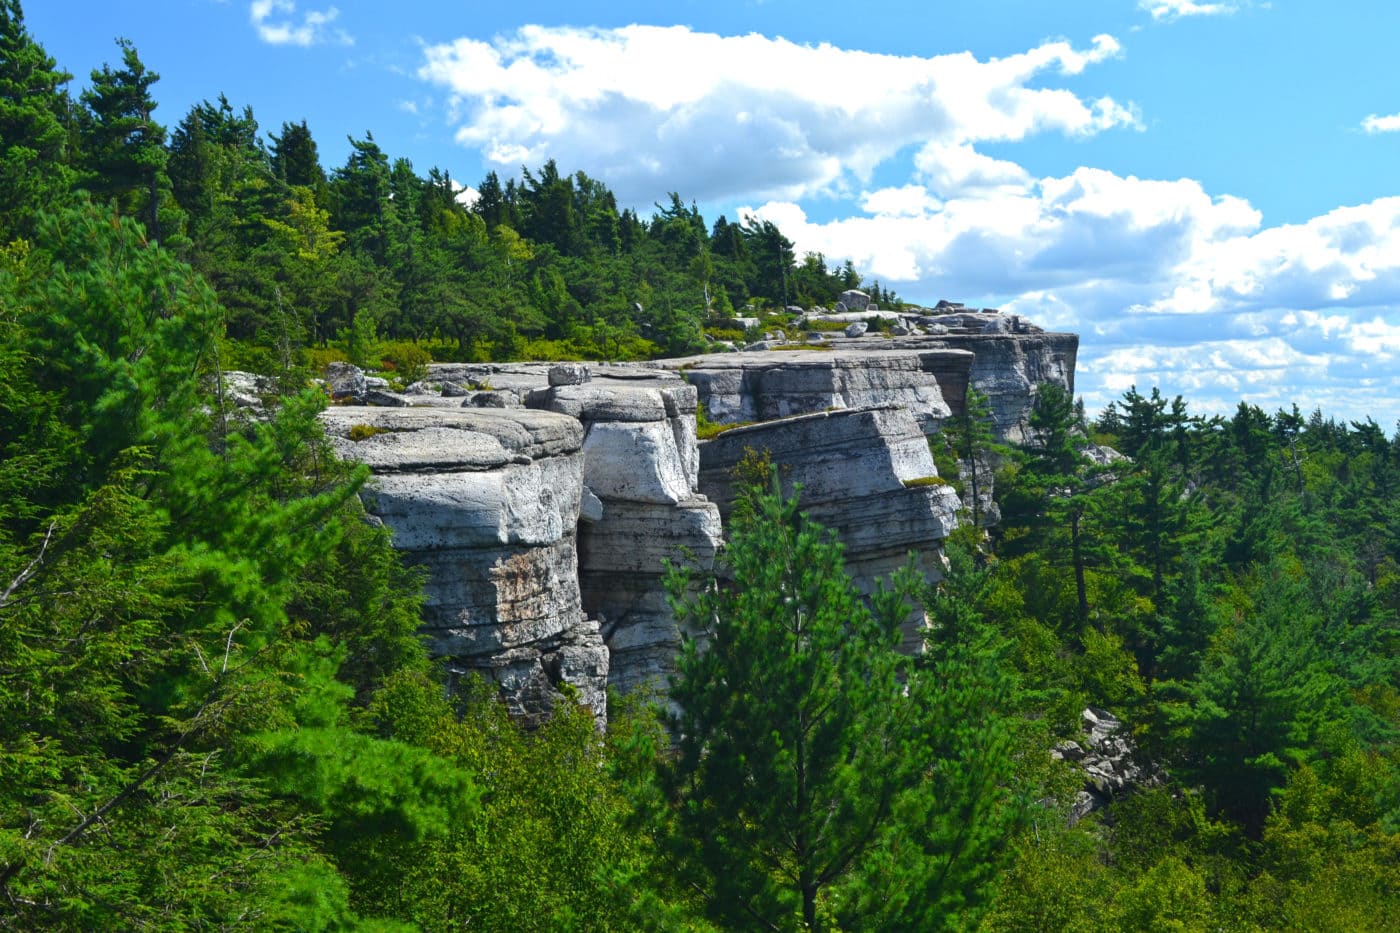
[126, 154]
[34, 137]
[179, 744]
[813, 758]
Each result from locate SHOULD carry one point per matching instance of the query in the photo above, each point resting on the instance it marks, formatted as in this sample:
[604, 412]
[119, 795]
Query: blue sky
[1205, 190]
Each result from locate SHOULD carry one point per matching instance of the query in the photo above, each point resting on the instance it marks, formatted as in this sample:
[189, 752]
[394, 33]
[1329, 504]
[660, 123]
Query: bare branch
[228, 645]
[29, 571]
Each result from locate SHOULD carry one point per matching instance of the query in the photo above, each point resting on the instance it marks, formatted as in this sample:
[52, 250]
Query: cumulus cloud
[654, 109]
[1168, 10]
[1378, 124]
[1166, 284]
[276, 23]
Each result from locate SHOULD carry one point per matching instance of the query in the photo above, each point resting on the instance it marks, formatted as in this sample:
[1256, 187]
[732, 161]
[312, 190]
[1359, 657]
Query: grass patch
[925, 481]
[705, 429]
[361, 432]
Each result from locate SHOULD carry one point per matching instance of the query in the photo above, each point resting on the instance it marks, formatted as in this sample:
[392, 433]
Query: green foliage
[360, 342]
[361, 432]
[410, 361]
[818, 773]
[554, 845]
[705, 429]
[162, 690]
[35, 142]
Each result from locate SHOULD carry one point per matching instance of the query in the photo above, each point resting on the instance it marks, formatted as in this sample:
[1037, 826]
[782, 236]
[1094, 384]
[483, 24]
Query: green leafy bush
[410, 361]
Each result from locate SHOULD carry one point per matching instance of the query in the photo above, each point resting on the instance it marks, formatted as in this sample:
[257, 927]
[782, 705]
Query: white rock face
[855, 300]
[635, 462]
[641, 462]
[544, 529]
[767, 386]
[621, 568]
[487, 500]
[852, 467]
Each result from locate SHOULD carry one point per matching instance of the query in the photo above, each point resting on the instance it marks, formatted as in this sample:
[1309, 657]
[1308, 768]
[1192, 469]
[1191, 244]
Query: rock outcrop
[1109, 760]
[488, 502]
[867, 474]
[543, 499]
[642, 465]
[745, 387]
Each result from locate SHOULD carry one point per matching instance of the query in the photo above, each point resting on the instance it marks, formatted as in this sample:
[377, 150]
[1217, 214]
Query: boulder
[346, 381]
[568, 374]
[1110, 761]
[857, 329]
[491, 399]
[386, 399]
[246, 390]
[854, 300]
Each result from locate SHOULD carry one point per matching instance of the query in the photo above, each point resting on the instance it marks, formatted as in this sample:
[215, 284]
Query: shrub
[360, 432]
[706, 429]
[318, 358]
[409, 360]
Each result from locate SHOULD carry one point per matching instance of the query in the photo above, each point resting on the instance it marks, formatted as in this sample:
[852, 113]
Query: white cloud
[275, 21]
[654, 109]
[1168, 10]
[1167, 283]
[464, 195]
[1377, 124]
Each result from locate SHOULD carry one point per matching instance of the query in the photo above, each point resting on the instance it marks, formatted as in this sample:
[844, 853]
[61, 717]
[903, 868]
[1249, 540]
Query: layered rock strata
[742, 387]
[642, 465]
[488, 502]
[542, 500]
[1008, 369]
[867, 474]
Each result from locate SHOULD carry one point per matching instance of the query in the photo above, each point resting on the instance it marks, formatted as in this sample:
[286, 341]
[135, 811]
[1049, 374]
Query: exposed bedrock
[487, 501]
[641, 463]
[867, 474]
[930, 383]
[1007, 368]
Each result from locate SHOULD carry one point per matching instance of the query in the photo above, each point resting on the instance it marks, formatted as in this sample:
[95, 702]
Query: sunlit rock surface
[866, 474]
[487, 501]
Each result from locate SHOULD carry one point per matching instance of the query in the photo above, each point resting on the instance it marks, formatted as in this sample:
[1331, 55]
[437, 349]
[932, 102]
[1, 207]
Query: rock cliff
[642, 464]
[867, 474]
[488, 503]
[542, 500]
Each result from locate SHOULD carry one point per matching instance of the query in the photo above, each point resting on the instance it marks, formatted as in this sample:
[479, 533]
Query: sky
[1206, 192]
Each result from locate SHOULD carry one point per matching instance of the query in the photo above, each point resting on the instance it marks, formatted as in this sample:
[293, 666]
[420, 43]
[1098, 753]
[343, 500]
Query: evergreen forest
[215, 712]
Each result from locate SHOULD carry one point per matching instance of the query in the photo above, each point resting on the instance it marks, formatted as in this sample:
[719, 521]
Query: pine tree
[179, 732]
[813, 758]
[34, 136]
[125, 151]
